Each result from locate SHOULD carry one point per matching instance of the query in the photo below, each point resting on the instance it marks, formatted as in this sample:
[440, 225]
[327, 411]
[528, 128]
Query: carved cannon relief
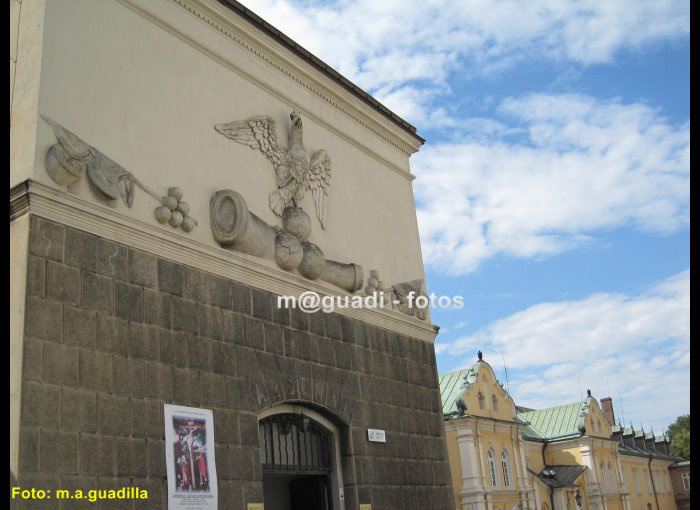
[235, 227]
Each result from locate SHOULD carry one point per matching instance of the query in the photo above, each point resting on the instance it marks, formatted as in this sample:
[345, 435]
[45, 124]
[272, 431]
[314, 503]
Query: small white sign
[376, 436]
[342, 494]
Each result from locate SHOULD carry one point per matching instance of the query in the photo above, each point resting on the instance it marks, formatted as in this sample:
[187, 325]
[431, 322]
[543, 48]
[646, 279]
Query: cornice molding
[478, 424]
[31, 197]
[265, 48]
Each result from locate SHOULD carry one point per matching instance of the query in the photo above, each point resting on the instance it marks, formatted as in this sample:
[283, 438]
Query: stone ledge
[41, 200]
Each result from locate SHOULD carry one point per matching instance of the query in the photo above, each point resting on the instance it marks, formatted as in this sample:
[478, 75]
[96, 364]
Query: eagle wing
[259, 133]
[318, 182]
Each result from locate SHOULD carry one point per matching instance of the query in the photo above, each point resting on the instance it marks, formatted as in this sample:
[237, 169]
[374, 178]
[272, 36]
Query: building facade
[566, 457]
[680, 481]
[486, 448]
[176, 166]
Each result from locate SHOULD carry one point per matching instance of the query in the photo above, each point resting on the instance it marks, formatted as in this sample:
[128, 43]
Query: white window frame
[604, 478]
[613, 478]
[685, 478]
[638, 486]
[505, 467]
[491, 458]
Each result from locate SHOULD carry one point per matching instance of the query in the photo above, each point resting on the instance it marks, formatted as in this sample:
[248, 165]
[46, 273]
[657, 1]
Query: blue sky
[553, 190]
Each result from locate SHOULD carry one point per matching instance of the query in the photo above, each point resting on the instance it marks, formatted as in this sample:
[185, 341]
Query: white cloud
[385, 46]
[634, 346]
[582, 165]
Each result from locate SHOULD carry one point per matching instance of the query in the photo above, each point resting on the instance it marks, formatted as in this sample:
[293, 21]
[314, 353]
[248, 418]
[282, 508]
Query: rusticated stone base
[111, 334]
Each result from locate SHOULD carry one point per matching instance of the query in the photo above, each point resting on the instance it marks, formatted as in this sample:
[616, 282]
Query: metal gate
[294, 443]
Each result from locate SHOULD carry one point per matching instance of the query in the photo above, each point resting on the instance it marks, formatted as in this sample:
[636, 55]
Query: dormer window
[482, 401]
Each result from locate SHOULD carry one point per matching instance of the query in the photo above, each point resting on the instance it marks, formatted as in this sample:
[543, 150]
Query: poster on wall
[189, 458]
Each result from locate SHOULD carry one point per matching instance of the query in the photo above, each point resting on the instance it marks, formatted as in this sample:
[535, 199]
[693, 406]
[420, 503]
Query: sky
[552, 192]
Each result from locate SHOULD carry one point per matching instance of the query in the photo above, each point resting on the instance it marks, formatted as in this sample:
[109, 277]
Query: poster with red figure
[189, 457]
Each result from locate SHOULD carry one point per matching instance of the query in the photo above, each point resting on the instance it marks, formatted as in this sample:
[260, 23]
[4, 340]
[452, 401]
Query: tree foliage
[679, 435]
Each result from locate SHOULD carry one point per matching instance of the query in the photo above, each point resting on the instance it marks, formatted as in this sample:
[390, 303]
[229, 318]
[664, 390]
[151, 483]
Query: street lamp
[578, 498]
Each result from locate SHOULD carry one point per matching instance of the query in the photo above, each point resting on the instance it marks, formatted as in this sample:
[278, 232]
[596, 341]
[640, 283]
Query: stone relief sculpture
[397, 296]
[175, 211]
[235, 227]
[374, 284]
[410, 307]
[67, 161]
[295, 171]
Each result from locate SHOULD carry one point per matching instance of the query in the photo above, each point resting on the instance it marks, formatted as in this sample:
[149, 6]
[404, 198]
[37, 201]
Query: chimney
[607, 408]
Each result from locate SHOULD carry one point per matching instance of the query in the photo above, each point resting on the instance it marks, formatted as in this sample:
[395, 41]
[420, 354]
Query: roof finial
[480, 355]
[588, 392]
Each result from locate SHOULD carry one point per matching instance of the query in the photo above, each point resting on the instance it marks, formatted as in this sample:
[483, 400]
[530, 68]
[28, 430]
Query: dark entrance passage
[297, 458]
[294, 492]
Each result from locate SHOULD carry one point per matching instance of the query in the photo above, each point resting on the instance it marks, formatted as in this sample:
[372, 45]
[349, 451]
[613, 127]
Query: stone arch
[277, 380]
[330, 422]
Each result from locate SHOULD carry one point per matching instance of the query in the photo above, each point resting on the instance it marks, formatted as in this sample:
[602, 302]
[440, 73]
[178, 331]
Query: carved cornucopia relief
[233, 225]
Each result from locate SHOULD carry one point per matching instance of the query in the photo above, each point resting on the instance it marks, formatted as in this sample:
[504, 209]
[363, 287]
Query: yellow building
[485, 442]
[646, 465]
[568, 457]
[680, 479]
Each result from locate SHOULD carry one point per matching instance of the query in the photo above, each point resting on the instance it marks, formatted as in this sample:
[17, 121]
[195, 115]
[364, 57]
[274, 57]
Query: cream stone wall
[26, 45]
[19, 248]
[147, 88]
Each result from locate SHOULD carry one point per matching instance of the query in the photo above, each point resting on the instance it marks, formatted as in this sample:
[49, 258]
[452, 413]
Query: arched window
[612, 477]
[604, 478]
[492, 467]
[293, 442]
[482, 401]
[494, 402]
[506, 468]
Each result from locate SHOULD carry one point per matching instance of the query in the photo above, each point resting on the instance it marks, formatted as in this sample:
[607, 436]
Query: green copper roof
[452, 386]
[559, 422]
[560, 476]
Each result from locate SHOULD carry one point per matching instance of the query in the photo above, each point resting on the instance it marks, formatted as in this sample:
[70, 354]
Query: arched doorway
[299, 457]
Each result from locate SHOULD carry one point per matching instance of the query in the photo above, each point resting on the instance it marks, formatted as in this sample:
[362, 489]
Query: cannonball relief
[288, 251]
[313, 261]
[296, 222]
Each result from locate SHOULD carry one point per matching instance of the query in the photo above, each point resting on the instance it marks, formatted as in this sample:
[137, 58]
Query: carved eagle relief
[295, 172]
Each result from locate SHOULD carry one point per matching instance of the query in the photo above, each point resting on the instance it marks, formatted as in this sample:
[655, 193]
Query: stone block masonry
[113, 333]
